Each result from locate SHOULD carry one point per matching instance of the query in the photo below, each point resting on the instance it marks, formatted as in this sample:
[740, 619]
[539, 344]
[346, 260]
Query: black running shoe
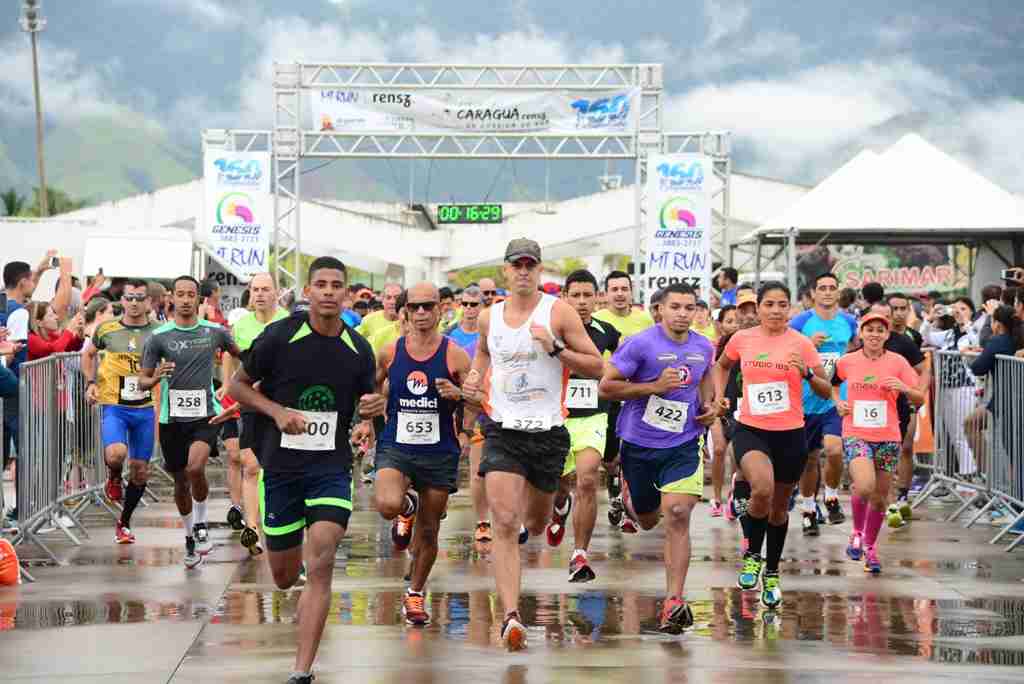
[235, 518]
[835, 512]
[810, 523]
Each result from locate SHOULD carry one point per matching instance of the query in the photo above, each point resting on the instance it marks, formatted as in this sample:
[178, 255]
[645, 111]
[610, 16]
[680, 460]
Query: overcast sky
[800, 83]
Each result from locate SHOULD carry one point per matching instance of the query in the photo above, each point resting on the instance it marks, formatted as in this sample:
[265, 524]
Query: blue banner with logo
[678, 245]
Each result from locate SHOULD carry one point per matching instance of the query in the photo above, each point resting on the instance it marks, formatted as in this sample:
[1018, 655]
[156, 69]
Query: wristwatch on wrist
[559, 348]
[809, 375]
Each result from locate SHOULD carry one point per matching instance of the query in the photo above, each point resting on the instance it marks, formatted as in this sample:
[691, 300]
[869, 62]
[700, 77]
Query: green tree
[466, 276]
[57, 201]
[14, 203]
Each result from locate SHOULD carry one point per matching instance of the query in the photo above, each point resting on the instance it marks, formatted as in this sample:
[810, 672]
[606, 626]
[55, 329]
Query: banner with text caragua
[476, 111]
[238, 208]
[678, 222]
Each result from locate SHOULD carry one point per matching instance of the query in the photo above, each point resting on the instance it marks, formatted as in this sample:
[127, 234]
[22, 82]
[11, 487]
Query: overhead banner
[678, 222]
[476, 111]
[238, 208]
[231, 288]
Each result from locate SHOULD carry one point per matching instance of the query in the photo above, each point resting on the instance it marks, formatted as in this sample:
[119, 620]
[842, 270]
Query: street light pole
[32, 22]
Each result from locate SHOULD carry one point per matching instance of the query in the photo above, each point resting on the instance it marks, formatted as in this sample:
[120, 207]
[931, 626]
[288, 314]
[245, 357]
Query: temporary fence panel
[978, 434]
[60, 461]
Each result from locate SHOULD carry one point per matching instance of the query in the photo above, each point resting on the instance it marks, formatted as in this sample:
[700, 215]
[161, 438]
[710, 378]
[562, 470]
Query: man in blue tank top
[832, 331]
[422, 372]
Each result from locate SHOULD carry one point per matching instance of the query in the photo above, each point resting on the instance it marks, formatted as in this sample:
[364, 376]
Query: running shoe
[301, 679]
[750, 572]
[114, 489]
[871, 562]
[855, 549]
[771, 591]
[123, 535]
[810, 524]
[730, 509]
[676, 616]
[579, 569]
[202, 535]
[627, 526]
[906, 512]
[835, 512]
[413, 610]
[401, 528]
[556, 528]
[235, 518]
[483, 532]
[893, 517]
[717, 510]
[250, 539]
[820, 513]
[513, 633]
[524, 534]
[192, 559]
[616, 511]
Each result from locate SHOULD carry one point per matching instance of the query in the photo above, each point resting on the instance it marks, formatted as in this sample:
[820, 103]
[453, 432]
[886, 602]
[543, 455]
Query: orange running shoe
[413, 609]
[513, 633]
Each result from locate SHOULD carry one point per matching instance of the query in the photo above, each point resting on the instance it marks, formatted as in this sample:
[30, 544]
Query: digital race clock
[469, 213]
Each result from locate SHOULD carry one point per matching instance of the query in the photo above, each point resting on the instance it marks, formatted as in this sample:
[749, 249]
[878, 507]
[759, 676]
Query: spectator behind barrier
[45, 336]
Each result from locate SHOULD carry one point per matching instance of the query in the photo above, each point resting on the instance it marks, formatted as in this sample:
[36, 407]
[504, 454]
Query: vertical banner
[238, 208]
[678, 222]
[231, 288]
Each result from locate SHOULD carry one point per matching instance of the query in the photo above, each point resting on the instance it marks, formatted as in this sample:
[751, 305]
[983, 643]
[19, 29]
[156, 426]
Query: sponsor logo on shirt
[422, 402]
[417, 382]
[667, 356]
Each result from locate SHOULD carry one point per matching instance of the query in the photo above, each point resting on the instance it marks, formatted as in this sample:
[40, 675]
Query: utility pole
[32, 22]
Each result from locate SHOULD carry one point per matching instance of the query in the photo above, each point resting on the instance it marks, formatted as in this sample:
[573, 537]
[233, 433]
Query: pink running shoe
[716, 509]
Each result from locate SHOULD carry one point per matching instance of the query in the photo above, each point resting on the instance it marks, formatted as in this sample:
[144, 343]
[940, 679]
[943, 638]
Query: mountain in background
[107, 158]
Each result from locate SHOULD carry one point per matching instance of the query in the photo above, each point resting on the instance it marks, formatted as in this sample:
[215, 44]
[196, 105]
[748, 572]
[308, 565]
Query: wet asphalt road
[947, 607]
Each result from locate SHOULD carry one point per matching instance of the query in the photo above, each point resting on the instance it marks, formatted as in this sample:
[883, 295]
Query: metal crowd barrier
[61, 471]
[979, 454]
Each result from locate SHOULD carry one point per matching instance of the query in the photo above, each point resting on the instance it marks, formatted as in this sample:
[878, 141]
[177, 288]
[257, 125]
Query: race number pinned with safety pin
[767, 398]
[320, 433]
[870, 414]
[581, 393]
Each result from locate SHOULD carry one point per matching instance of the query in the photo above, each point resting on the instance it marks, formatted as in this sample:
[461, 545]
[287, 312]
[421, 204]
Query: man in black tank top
[420, 373]
[587, 425]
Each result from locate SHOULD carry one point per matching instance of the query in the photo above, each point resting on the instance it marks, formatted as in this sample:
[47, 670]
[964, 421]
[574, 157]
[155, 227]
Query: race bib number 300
[320, 433]
[418, 428]
[666, 415]
[870, 414]
[767, 398]
[581, 394]
[187, 403]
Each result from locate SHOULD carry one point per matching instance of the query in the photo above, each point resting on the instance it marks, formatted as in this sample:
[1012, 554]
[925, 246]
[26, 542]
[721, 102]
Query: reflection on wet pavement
[933, 607]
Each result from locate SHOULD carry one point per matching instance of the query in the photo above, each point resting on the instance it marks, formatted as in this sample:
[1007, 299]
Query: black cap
[522, 248]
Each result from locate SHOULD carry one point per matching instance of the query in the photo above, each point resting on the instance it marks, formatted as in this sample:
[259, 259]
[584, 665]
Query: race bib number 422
[320, 433]
[187, 403]
[666, 415]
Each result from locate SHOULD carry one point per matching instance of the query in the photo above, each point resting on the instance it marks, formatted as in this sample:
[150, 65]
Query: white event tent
[913, 193]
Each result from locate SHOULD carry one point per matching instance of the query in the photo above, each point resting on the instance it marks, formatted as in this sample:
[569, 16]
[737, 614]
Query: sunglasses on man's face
[471, 305]
[421, 306]
[489, 293]
[134, 297]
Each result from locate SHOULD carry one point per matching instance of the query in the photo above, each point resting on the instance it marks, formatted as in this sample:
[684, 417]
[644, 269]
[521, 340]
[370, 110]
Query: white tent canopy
[913, 191]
